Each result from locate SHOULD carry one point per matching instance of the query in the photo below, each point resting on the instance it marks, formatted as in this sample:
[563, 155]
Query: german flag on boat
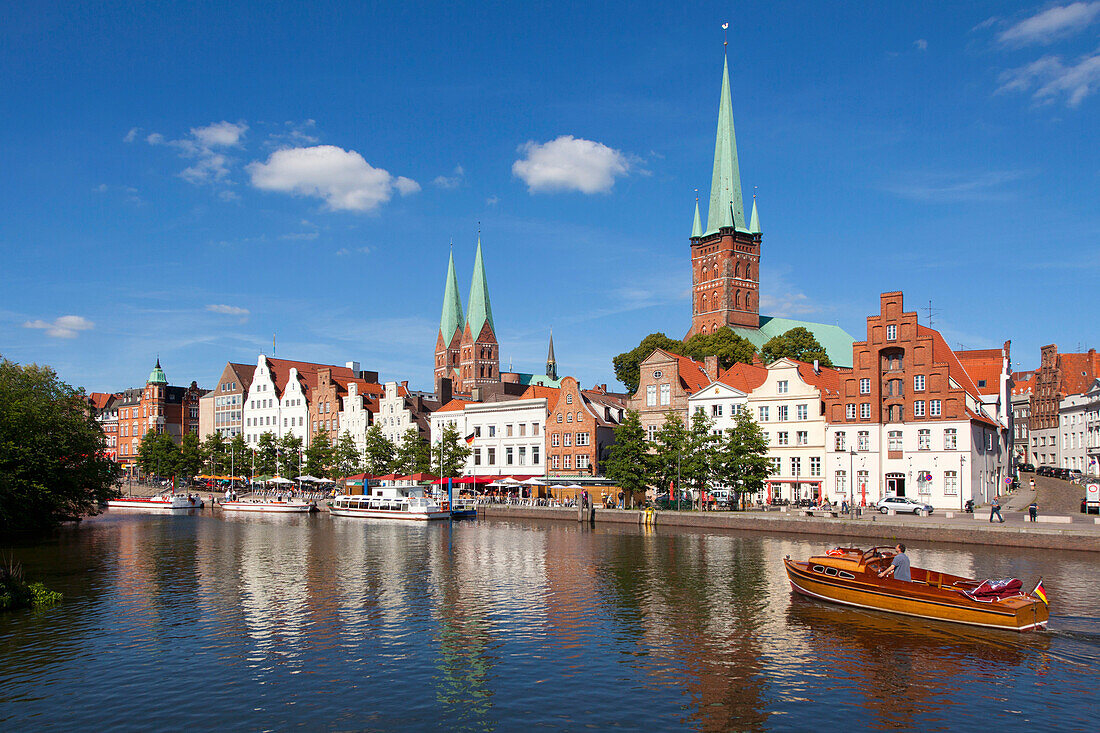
[1040, 592]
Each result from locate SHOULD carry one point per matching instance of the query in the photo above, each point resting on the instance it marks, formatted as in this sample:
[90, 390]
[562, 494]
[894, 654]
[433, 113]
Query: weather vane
[725, 28]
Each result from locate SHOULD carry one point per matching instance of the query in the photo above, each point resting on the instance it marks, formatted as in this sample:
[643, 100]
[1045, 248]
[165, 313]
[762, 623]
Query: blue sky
[186, 180]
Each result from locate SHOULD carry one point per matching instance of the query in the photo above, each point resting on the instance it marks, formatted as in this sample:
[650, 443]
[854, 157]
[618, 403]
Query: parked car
[1044, 471]
[902, 505]
[1027, 468]
[1062, 473]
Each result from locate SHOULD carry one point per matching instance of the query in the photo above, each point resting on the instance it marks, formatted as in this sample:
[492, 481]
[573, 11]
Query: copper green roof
[157, 376]
[451, 320]
[479, 311]
[696, 227]
[834, 339]
[726, 207]
[754, 222]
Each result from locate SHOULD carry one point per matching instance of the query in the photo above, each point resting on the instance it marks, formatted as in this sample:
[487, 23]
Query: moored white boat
[166, 502]
[259, 505]
[391, 502]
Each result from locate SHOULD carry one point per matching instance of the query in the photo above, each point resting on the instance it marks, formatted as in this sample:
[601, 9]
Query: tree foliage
[318, 456]
[346, 459]
[238, 455]
[190, 460]
[629, 462]
[266, 453]
[413, 454]
[741, 456]
[53, 463]
[723, 343]
[379, 452]
[670, 444]
[213, 453]
[449, 453]
[289, 461]
[798, 343]
[158, 455]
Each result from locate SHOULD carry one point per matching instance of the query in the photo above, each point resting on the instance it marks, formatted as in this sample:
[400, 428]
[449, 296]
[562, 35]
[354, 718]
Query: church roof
[726, 207]
[539, 380]
[451, 319]
[157, 376]
[479, 311]
[834, 339]
[754, 221]
[696, 225]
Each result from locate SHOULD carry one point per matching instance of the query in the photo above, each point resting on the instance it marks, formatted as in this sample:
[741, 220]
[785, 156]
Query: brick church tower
[448, 344]
[479, 360]
[725, 258]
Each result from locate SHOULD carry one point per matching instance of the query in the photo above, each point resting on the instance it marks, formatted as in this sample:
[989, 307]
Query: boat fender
[835, 552]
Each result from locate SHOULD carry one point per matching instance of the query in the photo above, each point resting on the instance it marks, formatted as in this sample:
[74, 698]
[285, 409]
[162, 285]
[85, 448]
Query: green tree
[318, 456]
[345, 456]
[158, 455]
[449, 453]
[671, 444]
[191, 456]
[379, 452]
[798, 343]
[53, 463]
[628, 461]
[413, 454]
[741, 460]
[289, 459]
[723, 343]
[213, 453]
[697, 464]
[627, 364]
[238, 455]
[266, 453]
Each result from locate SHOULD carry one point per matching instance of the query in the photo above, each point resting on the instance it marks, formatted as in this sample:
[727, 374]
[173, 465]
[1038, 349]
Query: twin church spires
[725, 258]
[466, 351]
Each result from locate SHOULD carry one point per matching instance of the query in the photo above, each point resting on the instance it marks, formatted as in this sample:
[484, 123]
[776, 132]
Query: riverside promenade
[1059, 532]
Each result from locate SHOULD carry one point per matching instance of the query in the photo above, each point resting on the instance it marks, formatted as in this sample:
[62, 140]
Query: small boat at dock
[850, 576]
[163, 502]
[391, 502]
[290, 506]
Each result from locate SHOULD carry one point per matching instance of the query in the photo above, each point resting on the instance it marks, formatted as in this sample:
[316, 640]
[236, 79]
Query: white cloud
[65, 327]
[1053, 23]
[345, 251]
[219, 134]
[952, 187]
[570, 164]
[229, 195]
[229, 310]
[452, 181]
[921, 44]
[206, 145]
[341, 177]
[154, 138]
[300, 235]
[492, 201]
[1051, 79]
[131, 135]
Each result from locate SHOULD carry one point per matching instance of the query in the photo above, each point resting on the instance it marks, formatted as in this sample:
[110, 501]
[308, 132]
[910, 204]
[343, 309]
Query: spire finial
[725, 31]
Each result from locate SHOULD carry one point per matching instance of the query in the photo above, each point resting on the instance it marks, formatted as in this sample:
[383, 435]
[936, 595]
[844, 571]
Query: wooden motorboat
[167, 501]
[849, 575]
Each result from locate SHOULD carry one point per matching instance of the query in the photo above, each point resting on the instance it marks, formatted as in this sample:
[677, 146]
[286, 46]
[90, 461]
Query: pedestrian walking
[1031, 482]
[1033, 510]
[995, 508]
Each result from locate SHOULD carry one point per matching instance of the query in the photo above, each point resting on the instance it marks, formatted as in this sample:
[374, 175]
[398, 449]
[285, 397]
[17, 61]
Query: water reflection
[315, 621]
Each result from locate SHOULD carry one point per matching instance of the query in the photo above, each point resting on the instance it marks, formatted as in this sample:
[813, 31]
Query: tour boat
[849, 576]
[391, 502]
[168, 501]
[290, 506]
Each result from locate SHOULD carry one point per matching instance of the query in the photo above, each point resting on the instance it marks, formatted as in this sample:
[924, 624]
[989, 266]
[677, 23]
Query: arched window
[737, 300]
[704, 278]
[737, 269]
[703, 303]
[748, 301]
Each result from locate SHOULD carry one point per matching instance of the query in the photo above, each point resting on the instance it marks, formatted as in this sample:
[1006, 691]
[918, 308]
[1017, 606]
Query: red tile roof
[100, 400]
[825, 379]
[454, 406]
[983, 365]
[1079, 371]
[942, 353]
[981, 418]
[537, 390]
[744, 377]
[693, 376]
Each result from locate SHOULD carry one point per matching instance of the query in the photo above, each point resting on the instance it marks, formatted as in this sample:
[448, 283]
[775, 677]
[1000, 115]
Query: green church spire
[696, 227]
[754, 222]
[726, 207]
[452, 305]
[479, 311]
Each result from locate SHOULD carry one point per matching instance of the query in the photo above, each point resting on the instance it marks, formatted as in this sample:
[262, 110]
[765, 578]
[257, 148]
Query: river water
[317, 622]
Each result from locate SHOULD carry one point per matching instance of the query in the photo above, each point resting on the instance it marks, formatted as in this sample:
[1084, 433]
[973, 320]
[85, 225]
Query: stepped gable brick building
[158, 406]
[910, 420]
[580, 428]
[725, 256]
[1058, 377]
[332, 392]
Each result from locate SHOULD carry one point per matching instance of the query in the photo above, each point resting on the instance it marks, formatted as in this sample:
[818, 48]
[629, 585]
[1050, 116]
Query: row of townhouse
[912, 417]
[1056, 411]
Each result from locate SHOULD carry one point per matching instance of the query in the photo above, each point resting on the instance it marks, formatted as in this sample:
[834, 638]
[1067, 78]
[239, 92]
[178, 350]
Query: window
[567, 461]
[918, 383]
[555, 440]
[651, 433]
[763, 411]
[850, 411]
[862, 480]
[934, 408]
[840, 441]
[924, 439]
[559, 418]
[569, 417]
[784, 438]
[534, 428]
[716, 410]
[492, 456]
[802, 411]
[569, 398]
[534, 455]
[918, 408]
[650, 397]
[815, 465]
[951, 483]
[522, 429]
[865, 410]
[666, 394]
[508, 430]
[477, 431]
[582, 438]
[891, 332]
[782, 386]
[803, 437]
[508, 456]
[783, 411]
[492, 431]
[567, 440]
[865, 386]
[796, 467]
[775, 465]
[477, 456]
[522, 452]
[840, 482]
[893, 440]
[555, 461]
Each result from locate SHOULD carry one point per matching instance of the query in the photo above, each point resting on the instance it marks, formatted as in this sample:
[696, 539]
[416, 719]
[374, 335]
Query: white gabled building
[355, 415]
[507, 436]
[721, 400]
[399, 410]
[276, 401]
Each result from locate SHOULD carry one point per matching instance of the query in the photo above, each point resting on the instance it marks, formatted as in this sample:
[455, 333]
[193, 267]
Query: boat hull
[390, 514]
[916, 599]
[155, 504]
[275, 507]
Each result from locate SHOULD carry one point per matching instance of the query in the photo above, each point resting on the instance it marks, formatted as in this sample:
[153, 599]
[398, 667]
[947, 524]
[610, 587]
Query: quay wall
[883, 530]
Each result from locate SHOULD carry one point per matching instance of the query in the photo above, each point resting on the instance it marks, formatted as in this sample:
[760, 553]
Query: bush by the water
[53, 462]
[16, 592]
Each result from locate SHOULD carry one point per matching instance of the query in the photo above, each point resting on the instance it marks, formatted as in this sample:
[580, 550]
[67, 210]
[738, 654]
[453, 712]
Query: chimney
[756, 360]
[444, 390]
[475, 394]
[817, 367]
[710, 365]
[352, 365]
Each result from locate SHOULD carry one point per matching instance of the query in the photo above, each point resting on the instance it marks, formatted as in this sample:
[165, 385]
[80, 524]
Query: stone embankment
[1073, 534]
